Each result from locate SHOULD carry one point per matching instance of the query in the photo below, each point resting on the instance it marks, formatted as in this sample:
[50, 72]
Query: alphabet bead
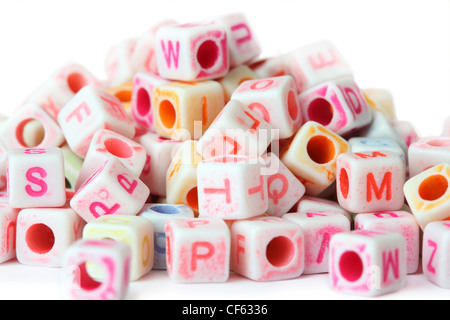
[358, 144]
[36, 177]
[179, 105]
[284, 190]
[370, 181]
[135, 231]
[275, 99]
[338, 105]
[381, 100]
[159, 152]
[267, 248]
[124, 93]
[237, 130]
[44, 234]
[112, 256]
[159, 214]
[231, 81]
[273, 66]
[198, 250]
[8, 222]
[112, 189]
[192, 52]
[316, 63]
[367, 262]
[312, 155]
[232, 187]
[427, 194]
[316, 204]
[141, 101]
[318, 229]
[241, 41]
[107, 144]
[435, 253]
[427, 153]
[396, 221]
[90, 110]
[13, 130]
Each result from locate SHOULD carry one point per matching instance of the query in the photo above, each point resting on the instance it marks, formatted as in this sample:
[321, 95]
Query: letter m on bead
[171, 53]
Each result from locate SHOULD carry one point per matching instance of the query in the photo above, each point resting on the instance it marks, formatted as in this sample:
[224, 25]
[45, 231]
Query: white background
[399, 45]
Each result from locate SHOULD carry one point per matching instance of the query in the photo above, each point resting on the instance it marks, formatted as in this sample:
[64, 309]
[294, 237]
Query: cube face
[92, 109]
[242, 44]
[381, 100]
[159, 214]
[267, 248]
[141, 105]
[234, 78]
[43, 234]
[318, 229]
[136, 232]
[427, 153]
[13, 131]
[312, 155]
[112, 189]
[118, 67]
[114, 258]
[181, 106]
[8, 222]
[338, 105]
[36, 177]
[275, 99]
[427, 194]
[159, 157]
[237, 130]
[395, 221]
[358, 144]
[232, 187]
[435, 253]
[124, 93]
[316, 63]
[316, 204]
[367, 262]
[107, 144]
[198, 250]
[370, 181]
[192, 51]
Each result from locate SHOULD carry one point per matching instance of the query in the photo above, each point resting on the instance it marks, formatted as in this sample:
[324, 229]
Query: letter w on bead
[171, 53]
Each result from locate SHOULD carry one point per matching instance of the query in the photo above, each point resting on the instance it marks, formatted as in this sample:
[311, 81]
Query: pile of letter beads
[199, 158]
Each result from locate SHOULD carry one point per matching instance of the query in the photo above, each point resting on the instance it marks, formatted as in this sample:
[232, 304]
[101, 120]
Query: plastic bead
[8, 223]
[428, 152]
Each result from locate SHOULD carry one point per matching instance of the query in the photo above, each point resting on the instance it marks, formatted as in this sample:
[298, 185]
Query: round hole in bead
[167, 114]
[40, 238]
[192, 198]
[118, 148]
[433, 187]
[84, 280]
[207, 54]
[351, 266]
[343, 183]
[30, 133]
[321, 149]
[143, 103]
[123, 95]
[293, 105]
[280, 251]
[165, 209]
[76, 82]
[321, 111]
[439, 143]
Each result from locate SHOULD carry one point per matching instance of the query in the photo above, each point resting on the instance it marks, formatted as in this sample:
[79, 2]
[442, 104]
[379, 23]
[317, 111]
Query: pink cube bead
[192, 51]
[198, 250]
[267, 248]
[370, 181]
[275, 99]
[107, 144]
[395, 221]
[112, 189]
[284, 189]
[428, 152]
[13, 131]
[36, 178]
[436, 252]
[8, 222]
[338, 105]
[112, 256]
[318, 229]
[44, 234]
[367, 262]
[232, 187]
[90, 110]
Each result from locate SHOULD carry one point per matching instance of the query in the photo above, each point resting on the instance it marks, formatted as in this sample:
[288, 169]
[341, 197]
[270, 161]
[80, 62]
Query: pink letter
[39, 182]
[196, 256]
[94, 205]
[171, 53]
[390, 261]
[126, 184]
[430, 268]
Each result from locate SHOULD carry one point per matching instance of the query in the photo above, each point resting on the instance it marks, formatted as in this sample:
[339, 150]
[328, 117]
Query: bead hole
[351, 266]
[433, 187]
[280, 251]
[40, 238]
[321, 111]
[321, 149]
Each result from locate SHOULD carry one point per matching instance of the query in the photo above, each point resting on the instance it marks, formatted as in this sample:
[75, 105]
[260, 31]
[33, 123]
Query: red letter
[196, 255]
[385, 184]
[390, 261]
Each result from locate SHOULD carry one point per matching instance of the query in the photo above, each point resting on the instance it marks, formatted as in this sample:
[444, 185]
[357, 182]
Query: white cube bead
[118, 67]
[36, 177]
[8, 222]
[231, 81]
[428, 152]
[314, 204]
[360, 144]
